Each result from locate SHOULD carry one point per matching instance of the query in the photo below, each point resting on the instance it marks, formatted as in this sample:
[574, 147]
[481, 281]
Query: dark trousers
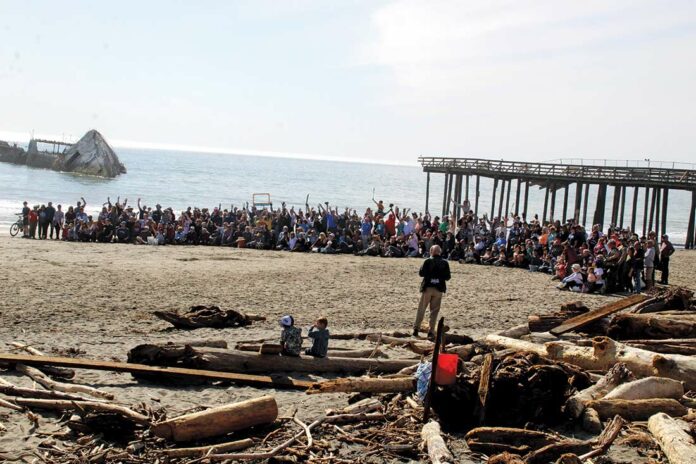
[43, 230]
[664, 264]
[56, 228]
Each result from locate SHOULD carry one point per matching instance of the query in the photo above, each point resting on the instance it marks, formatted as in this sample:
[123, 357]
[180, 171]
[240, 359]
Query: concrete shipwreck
[91, 156]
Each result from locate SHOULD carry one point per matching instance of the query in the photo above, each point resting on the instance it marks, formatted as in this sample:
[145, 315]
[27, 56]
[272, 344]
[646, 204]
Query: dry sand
[98, 298]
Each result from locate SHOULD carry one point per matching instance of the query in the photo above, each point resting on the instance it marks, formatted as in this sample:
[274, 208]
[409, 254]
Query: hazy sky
[386, 80]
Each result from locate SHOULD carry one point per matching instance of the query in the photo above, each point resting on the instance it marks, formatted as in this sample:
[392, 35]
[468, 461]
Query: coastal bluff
[91, 155]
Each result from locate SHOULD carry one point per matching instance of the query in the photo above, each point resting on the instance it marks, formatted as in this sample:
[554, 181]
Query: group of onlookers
[594, 260]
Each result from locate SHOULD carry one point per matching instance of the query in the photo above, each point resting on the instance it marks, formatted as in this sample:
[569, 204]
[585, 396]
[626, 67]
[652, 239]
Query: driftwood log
[241, 361]
[218, 421]
[546, 322]
[674, 439]
[654, 325]
[637, 410]
[9, 389]
[364, 385]
[275, 348]
[437, 449]
[207, 316]
[84, 406]
[57, 372]
[646, 388]
[605, 352]
[44, 380]
[617, 375]
[201, 451]
[587, 318]
[490, 440]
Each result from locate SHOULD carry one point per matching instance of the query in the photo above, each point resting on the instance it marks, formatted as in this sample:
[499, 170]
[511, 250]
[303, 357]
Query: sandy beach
[98, 299]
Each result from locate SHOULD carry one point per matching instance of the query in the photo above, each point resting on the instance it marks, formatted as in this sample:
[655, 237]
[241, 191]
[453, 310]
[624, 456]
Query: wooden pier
[559, 178]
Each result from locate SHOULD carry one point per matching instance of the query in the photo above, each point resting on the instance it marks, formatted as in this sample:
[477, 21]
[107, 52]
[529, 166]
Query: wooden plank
[241, 379]
[484, 386]
[587, 318]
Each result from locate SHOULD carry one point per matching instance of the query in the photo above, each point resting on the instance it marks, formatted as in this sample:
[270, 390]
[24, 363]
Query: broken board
[587, 318]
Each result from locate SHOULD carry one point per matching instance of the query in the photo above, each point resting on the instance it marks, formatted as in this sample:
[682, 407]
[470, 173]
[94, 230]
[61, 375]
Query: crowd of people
[612, 260]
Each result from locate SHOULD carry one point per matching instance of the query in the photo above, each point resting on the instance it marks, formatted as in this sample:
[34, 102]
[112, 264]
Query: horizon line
[20, 137]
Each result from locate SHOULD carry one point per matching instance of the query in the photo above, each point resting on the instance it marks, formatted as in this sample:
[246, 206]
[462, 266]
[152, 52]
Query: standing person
[666, 250]
[57, 223]
[33, 221]
[50, 214]
[649, 265]
[435, 272]
[637, 269]
[43, 222]
[25, 219]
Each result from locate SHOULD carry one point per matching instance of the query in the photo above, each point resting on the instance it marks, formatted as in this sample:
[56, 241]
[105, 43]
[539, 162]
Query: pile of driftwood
[208, 316]
[574, 386]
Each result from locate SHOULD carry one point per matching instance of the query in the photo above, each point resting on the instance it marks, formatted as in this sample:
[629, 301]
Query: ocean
[180, 179]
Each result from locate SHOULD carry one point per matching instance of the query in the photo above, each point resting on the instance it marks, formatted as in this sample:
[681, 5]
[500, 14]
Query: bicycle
[17, 226]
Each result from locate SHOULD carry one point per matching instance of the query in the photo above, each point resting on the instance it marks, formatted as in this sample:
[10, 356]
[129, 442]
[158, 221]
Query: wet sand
[98, 299]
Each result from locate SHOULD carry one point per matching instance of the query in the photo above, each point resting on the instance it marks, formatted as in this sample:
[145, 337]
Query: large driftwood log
[605, 352]
[585, 319]
[654, 325]
[481, 438]
[84, 406]
[45, 381]
[218, 421]
[617, 375]
[637, 410]
[437, 449]
[674, 439]
[364, 385]
[201, 451]
[591, 421]
[207, 316]
[646, 388]
[240, 361]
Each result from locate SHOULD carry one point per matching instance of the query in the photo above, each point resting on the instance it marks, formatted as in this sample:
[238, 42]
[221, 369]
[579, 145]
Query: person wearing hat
[435, 272]
[574, 281]
[290, 337]
[666, 250]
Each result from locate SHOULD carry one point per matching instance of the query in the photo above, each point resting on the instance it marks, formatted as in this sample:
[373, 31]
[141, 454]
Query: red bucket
[446, 372]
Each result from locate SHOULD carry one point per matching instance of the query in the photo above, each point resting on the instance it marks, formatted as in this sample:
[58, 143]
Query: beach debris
[164, 373]
[243, 361]
[53, 371]
[606, 352]
[659, 325]
[646, 388]
[546, 322]
[617, 375]
[275, 348]
[45, 381]
[637, 410]
[674, 437]
[218, 421]
[666, 299]
[364, 385]
[589, 317]
[437, 449]
[208, 316]
[202, 451]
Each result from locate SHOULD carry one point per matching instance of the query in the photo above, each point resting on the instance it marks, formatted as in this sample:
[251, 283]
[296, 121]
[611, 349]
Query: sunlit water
[182, 179]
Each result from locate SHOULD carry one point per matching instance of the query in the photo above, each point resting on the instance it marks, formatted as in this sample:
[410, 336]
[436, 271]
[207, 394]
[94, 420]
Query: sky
[360, 80]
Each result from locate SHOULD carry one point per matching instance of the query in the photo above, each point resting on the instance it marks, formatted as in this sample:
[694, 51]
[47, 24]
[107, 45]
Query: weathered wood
[617, 375]
[83, 406]
[363, 406]
[637, 410]
[649, 387]
[582, 320]
[77, 363]
[653, 325]
[364, 385]
[484, 386]
[218, 421]
[590, 421]
[674, 439]
[58, 372]
[437, 449]
[200, 451]
[506, 458]
[274, 348]
[604, 353]
[9, 389]
[207, 316]
[45, 381]
[241, 361]
[606, 438]
[553, 451]
[479, 438]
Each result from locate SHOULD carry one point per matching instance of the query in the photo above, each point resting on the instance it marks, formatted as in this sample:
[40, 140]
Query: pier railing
[548, 173]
